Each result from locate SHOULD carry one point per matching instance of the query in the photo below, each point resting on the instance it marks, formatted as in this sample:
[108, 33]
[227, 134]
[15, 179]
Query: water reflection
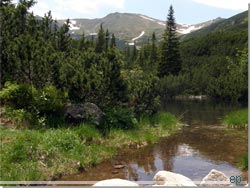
[193, 152]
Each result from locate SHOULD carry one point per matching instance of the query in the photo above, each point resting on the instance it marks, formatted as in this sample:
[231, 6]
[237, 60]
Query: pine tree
[117, 88]
[100, 43]
[106, 40]
[153, 55]
[82, 42]
[64, 40]
[134, 53]
[113, 41]
[170, 57]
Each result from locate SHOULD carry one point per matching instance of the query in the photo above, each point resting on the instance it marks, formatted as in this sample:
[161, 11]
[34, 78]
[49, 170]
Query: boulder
[166, 178]
[76, 113]
[115, 182]
[215, 178]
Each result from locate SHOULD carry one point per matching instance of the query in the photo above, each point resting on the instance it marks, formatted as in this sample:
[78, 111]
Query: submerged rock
[115, 182]
[119, 166]
[166, 178]
[215, 178]
[76, 113]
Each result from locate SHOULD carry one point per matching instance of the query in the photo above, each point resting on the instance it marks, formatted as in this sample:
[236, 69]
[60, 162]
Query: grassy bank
[238, 118]
[33, 154]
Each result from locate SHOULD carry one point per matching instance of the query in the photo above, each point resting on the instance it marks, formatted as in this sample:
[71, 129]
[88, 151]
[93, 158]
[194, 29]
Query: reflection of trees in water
[140, 159]
[132, 173]
[166, 150]
[217, 144]
[199, 112]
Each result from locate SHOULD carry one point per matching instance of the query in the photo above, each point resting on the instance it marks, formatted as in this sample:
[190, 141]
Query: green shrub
[49, 100]
[170, 86]
[143, 91]
[36, 107]
[87, 132]
[24, 96]
[19, 96]
[118, 118]
[18, 116]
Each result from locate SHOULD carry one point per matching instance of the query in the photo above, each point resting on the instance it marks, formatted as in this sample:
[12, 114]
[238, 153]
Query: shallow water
[195, 150]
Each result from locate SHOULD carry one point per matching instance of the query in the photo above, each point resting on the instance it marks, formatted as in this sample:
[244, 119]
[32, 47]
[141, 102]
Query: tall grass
[243, 163]
[149, 130]
[239, 117]
[45, 154]
[39, 155]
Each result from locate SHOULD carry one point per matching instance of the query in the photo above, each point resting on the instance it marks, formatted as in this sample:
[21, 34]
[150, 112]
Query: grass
[239, 117]
[45, 154]
[243, 163]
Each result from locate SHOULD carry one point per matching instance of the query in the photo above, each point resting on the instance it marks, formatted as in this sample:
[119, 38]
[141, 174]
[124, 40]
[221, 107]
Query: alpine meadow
[77, 94]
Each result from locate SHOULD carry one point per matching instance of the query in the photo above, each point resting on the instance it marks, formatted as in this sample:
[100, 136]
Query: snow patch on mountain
[153, 20]
[188, 29]
[147, 18]
[142, 33]
[73, 26]
[160, 23]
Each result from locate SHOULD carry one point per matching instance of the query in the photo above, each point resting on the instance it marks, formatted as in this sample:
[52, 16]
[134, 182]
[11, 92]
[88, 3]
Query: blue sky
[186, 11]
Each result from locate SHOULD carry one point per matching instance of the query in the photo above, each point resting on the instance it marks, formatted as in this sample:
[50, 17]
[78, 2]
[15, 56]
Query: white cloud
[64, 8]
[226, 4]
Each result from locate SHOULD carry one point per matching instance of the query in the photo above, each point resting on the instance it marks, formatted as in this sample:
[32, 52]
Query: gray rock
[215, 178]
[76, 113]
[166, 178]
[115, 182]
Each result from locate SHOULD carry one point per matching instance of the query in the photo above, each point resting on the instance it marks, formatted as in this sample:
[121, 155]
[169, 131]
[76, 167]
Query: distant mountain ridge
[237, 22]
[130, 27]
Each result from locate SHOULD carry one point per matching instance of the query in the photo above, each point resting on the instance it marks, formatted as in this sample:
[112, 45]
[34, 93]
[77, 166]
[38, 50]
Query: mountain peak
[130, 26]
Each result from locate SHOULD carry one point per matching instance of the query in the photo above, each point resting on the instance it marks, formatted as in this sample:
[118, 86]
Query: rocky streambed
[166, 178]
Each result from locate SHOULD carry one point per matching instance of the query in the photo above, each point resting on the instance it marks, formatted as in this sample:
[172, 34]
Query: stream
[200, 146]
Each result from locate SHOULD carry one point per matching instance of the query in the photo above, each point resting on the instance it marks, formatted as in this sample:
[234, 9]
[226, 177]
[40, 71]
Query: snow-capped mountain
[129, 27]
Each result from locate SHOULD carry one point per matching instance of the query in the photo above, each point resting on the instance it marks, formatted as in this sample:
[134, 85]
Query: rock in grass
[88, 112]
[215, 178]
[166, 178]
[115, 182]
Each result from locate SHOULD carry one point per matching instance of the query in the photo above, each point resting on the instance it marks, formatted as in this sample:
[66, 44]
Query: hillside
[128, 26]
[234, 23]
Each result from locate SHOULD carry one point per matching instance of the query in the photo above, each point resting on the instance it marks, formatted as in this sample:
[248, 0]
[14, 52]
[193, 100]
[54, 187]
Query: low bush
[118, 118]
[143, 91]
[32, 106]
[49, 100]
[19, 96]
[23, 96]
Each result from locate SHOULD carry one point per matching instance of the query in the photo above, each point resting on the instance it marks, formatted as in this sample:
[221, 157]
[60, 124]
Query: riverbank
[236, 118]
[48, 154]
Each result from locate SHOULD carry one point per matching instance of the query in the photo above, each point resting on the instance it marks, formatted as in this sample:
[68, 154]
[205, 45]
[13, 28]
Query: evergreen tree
[64, 40]
[170, 57]
[46, 25]
[106, 40]
[117, 88]
[113, 41]
[100, 43]
[134, 53]
[82, 42]
[153, 55]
